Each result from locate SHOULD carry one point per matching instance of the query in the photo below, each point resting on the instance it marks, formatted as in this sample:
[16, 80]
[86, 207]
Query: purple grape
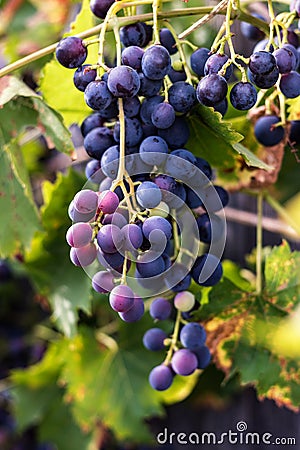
[183, 284]
[132, 57]
[123, 81]
[76, 216]
[135, 313]
[154, 338]
[156, 62]
[103, 282]
[110, 161]
[100, 7]
[157, 223]
[116, 219]
[214, 198]
[243, 96]
[160, 309]
[133, 237]
[131, 106]
[192, 199]
[264, 81]
[148, 107]
[181, 164]
[111, 261]
[176, 75]
[198, 60]
[222, 107]
[79, 234]
[167, 40]
[215, 63]
[133, 132]
[148, 269]
[251, 32]
[110, 238]
[207, 270]
[163, 116]
[149, 88]
[97, 141]
[205, 225]
[285, 59]
[86, 201]
[153, 150]
[93, 171]
[134, 34]
[192, 336]
[71, 52]
[212, 89]
[184, 362]
[108, 202]
[105, 184]
[182, 96]
[203, 357]
[121, 298]
[83, 256]
[82, 77]
[161, 378]
[262, 63]
[92, 121]
[97, 95]
[265, 131]
[290, 84]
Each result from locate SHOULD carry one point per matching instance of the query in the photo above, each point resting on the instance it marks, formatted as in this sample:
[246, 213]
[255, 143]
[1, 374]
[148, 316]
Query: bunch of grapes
[150, 214]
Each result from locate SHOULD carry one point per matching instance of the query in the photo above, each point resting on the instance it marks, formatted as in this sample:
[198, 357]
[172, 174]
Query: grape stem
[156, 6]
[174, 339]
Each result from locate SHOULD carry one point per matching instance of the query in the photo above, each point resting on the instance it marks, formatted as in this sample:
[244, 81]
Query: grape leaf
[67, 287]
[62, 95]
[293, 108]
[11, 87]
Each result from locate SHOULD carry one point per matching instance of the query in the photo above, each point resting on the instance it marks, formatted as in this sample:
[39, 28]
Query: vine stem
[281, 211]
[259, 242]
[174, 339]
[156, 6]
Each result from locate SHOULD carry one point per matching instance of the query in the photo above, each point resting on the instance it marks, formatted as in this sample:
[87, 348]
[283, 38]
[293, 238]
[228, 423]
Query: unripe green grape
[184, 301]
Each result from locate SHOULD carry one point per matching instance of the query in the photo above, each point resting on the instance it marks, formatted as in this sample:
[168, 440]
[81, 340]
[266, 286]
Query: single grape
[148, 269]
[215, 63]
[105, 184]
[207, 270]
[184, 362]
[206, 223]
[161, 210]
[184, 301]
[97, 95]
[192, 199]
[178, 199]
[111, 111]
[266, 132]
[294, 136]
[82, 77]
[86, 201]
[290, 84]
[148, 107]
[192, 336]
[154, 338]
[103, 281]
[76, 216]
[123, 81]
[116, 219]
[183, 285]
[108, 202]
[153, 150]
[93, 171]
[163, 116]
[149, 88]
[182, 96]
[134, 34]
[133, 237]
[198, 60]
[243, 96]
[71, 52]
[110, 161]
[100, 7]
[156, 62]
[160, 309]
[177, 135]
[97, 141]
[167, 185]
[133, 132]
[264, 81]
[203, 357]
[83, 256]
[222, 107]
[92, 121]
[121, 298]
[79, 234]
[212, 89]
[285, 59]
[214, 198]
[132, 57]
[167, 40]
[176, 75]
[181, 164]
[157, 223]
[161, 378]
[262, 63]
[261, 45]
[250, 31]
[148, 195]
[131, 106]
[110, 238]
[111, 261]
[135, 313]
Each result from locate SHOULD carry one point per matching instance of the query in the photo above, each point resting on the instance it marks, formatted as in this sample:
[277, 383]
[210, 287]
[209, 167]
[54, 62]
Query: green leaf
[251, 159]
[293, 108]
[57, 82]
[11, 87]
[66, 286]
[18, 214]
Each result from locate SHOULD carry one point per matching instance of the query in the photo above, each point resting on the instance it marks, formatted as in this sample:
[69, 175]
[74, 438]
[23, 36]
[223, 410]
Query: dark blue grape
[133, 132]
[215, 63]
[207, 270]
[131, 106]
[133, 236]
[154, 338]
[148, 195]
[198, 60]
[5, 271]
[285, 59]
[177, 135]
[97, 141]
[222, 107]
[148, 107]
[82, 77]
[110, 260]
[133, 34]
[203, 357]
[149, 88]
[212, 89]
[71, 52]
[157, 223]
[262, 63]
[148, 268]
[123, 81]
[183, 285]
[163, 116]
[167, 40]
[250, 31]
[205, 224]
[110, 161]
[94, 120]
[156, 62]
[182, 96]
[135, 313]
[192, 199]
[100, 7]
[181, 164]
[161, 378]
[265, 81]
[204, 166]
[179, 198]
[261, 45]
[167, 185]
[132, 57]
[192, 336]
[97, 95]
[265, 131]
[160, 309]
[214, 198]
[176, 75]
[243, 96]
[294, 136]
[153, 150]
[290, 84]
[111, 111]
